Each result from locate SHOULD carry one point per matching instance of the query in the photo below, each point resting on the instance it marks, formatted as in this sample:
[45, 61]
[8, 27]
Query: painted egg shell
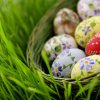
[93, 46]
[86, 30]
[86, 67]
[88, 8]
[65, 22]
[64, 62]
[57, 44]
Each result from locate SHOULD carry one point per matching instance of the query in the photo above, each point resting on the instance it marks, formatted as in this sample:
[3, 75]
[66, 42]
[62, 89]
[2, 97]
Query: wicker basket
[41, 33]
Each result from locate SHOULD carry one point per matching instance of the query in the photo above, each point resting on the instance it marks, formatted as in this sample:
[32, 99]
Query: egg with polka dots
[93, 46]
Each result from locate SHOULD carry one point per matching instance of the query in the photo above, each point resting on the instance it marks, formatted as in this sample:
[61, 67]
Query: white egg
[57, 44]
[65, 61]
[88, 8]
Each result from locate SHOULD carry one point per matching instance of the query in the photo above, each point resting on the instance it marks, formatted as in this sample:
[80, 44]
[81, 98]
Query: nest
[41, 33]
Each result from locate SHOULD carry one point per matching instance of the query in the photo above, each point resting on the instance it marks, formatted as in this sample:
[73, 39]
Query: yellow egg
[86, 30]
[86, 67]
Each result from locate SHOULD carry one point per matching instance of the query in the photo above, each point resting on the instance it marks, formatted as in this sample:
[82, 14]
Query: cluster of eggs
[63, 50]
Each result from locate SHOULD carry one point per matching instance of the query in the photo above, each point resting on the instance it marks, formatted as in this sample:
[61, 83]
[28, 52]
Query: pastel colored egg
[86, 67]
[86, 30]
[57, 44]
[93, 46]
[65, 21]
[88, 8]
[65, 61]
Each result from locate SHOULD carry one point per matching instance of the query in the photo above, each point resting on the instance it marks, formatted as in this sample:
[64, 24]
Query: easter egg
[65, 21]
[57, 44]
[88, 8]
[65, 61]
[85, 67]
[93, 46]
[86, 30]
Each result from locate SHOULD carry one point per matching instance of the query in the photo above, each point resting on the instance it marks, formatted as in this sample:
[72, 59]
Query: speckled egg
[93, 46]
[65, 61]
[65, 21]
[57, 44]
[88, 8]
[86, 67]
[86, 30]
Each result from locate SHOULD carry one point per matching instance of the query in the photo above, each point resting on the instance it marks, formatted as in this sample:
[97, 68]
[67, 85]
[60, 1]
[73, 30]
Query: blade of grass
[45, 58]
[91, 87]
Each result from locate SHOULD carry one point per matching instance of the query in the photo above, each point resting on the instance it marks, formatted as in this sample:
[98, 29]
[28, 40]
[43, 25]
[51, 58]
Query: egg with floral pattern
[85, 67]
[88, 8]
[65, 61]
[57, 44]
[86, 30]
[66, 21]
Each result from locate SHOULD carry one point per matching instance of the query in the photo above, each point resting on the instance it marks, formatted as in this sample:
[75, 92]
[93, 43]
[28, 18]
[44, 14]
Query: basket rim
[83, 80]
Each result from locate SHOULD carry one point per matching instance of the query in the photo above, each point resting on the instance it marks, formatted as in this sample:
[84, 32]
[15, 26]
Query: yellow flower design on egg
[56, 69]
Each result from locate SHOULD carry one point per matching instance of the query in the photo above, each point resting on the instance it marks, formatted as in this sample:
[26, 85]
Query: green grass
[17, 80]
[18, 18]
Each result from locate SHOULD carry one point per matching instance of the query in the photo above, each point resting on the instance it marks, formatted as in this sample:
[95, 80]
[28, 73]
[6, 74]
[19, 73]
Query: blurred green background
[19, 17]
